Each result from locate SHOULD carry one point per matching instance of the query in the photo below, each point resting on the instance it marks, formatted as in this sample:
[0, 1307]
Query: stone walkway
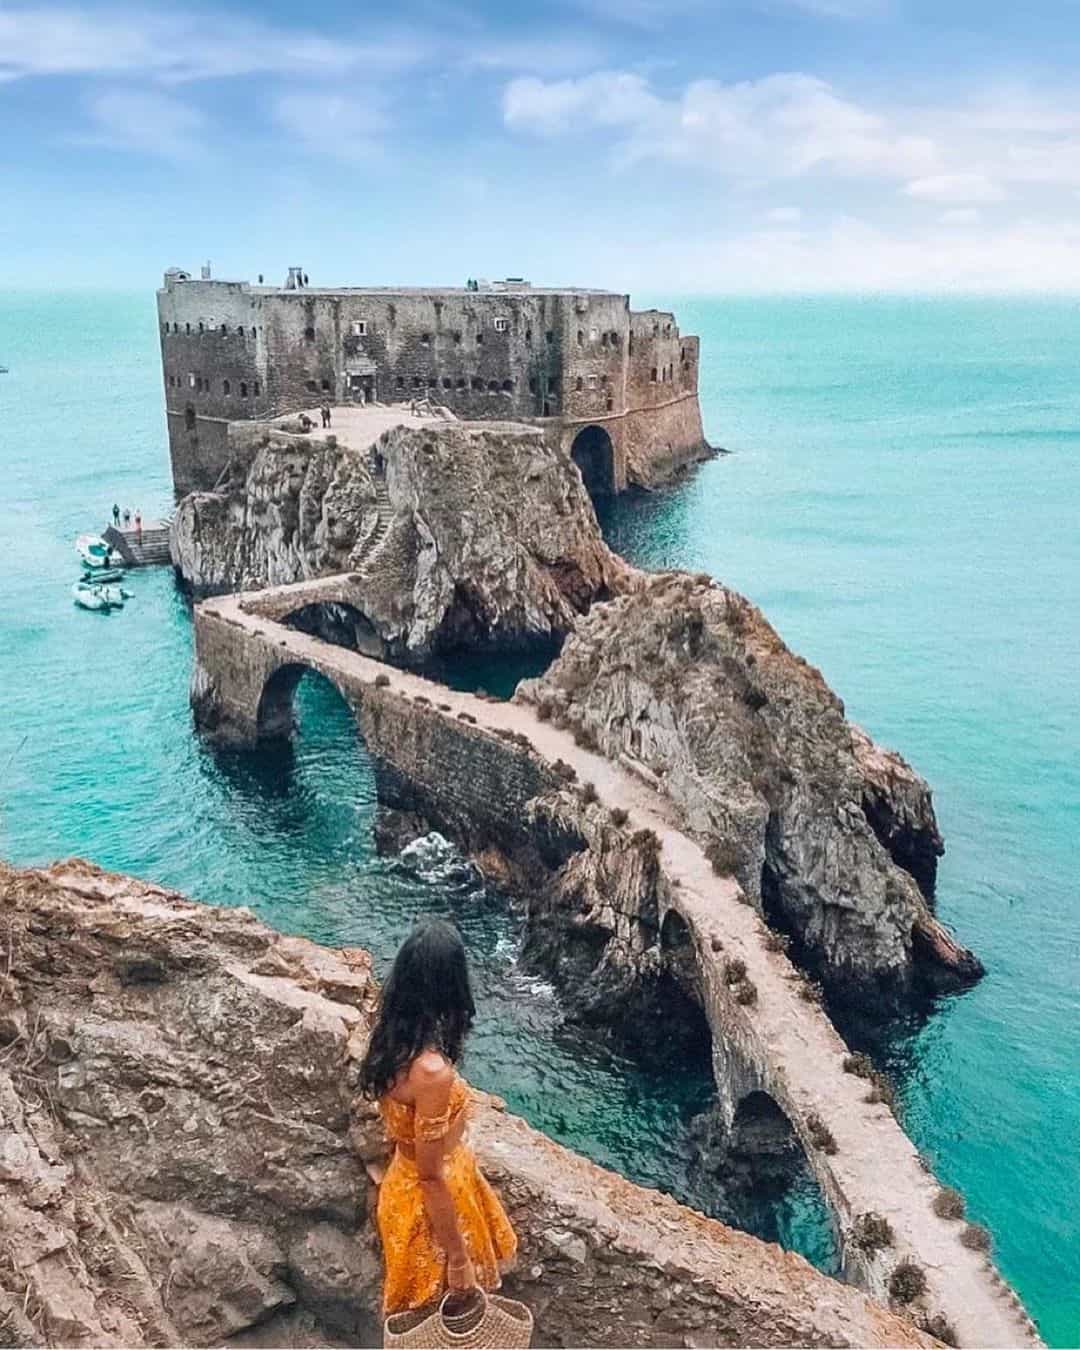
[875, 1167]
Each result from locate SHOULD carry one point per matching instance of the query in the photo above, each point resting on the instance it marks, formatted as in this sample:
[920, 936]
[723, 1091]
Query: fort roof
[511, 286]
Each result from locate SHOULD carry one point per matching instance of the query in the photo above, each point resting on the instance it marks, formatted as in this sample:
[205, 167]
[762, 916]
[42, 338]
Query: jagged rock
[185, 1163]
[486, 536]
[293, 508]
[686, 678]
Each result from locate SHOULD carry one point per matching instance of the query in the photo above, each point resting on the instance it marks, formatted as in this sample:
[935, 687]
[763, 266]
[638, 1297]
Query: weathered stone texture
[565, 357]
[749, 742]
[182, 1162]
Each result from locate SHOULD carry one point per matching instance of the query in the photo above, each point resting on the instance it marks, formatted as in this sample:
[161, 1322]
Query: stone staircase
[154, 547]
[383, 515]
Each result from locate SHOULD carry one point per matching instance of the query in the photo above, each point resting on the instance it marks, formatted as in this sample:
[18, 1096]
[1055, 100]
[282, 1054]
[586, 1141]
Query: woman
[441, 1224]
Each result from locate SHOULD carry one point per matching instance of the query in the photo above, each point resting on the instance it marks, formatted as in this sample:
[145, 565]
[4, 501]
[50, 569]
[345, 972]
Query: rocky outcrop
[453, 533]
[686, 679]
[291, 507]
[182, 1163]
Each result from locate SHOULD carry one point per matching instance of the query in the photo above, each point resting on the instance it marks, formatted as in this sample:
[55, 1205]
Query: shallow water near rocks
[902, 504]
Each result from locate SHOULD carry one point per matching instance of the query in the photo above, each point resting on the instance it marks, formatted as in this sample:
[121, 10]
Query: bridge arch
[339, 623]
[594, 454]
[275, 716]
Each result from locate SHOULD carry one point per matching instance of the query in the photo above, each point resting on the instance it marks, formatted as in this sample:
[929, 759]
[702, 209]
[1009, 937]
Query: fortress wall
[658, 443]
[655, 367]
[440, 346]
[596, 338]
[198, 453]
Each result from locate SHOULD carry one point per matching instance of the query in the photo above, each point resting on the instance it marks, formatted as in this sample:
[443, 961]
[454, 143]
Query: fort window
[493, 386]
[549, 336]
[532, 384]
[226, 387]
[479, 339]
[191, 381]
[432, 382]
[610, 403]
[501, 325]
[508, 386]
[593, 334]
[243, 389]
[553, 384]
[240, 330]
[312, 387]
[667, 330]
[630, 344]
[528, 334]
[604, 380]
[581, 337]
[447, 384]
[425, 338]
[477, 384]
[614, 338]
[457, 337]
[326, 386]
[656, 330]
[592, 381]
[579, 383]
[461, 384]
[604, 338]
[401, 381]
[309, 334]
[176, 328]
[359, 328]
[225, 328]
[416, 381]
[187, 328]
[189, 418]
[253, 332]
[652, 375]
[202, 327]
[255, 388]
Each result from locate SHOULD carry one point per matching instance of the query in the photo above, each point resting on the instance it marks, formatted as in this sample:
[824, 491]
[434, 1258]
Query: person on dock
[443, 1228]
[115, 516]
[127, 517]
[138, 528]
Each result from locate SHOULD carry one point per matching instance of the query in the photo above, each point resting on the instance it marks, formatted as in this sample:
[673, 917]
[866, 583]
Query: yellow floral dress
[415, 1262]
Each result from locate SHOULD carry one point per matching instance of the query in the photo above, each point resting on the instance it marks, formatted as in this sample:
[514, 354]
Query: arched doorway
[341, 624]
[594, 454]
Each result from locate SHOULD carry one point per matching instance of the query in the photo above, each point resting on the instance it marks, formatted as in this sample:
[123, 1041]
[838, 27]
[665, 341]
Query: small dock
[147, 547]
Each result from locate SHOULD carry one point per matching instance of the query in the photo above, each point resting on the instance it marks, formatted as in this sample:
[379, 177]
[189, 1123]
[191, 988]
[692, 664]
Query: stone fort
[617, 387]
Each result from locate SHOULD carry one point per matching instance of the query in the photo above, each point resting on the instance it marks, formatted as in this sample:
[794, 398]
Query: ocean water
[902, 501]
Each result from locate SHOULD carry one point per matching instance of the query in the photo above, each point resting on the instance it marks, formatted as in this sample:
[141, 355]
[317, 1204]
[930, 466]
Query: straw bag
[503, 1324]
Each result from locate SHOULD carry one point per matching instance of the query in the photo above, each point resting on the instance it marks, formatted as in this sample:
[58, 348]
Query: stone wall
[233, 351]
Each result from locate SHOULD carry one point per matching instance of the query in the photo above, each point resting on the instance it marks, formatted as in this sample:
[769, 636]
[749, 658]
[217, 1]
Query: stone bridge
[446, 754]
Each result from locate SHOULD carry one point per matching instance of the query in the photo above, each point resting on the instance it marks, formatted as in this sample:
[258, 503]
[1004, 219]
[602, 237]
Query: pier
[148, 547]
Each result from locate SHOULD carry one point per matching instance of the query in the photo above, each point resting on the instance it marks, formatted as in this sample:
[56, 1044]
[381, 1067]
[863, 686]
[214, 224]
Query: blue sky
[678, 145]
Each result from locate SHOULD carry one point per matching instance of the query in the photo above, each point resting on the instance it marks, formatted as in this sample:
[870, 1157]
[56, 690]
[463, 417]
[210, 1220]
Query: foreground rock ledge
[182, 1162]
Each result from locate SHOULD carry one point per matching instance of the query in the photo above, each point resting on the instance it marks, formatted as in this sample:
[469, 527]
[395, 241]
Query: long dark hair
[426, 1002]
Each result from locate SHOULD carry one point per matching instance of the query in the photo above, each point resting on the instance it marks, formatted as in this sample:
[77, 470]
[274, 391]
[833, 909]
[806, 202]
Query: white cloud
[654, 14]
[178, 46]
[148, 123]
[783, 125]
[962, 188]
[961, 215]
[784, 215]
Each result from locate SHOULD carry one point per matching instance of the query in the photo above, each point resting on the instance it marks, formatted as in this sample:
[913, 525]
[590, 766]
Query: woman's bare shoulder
[430, 1069]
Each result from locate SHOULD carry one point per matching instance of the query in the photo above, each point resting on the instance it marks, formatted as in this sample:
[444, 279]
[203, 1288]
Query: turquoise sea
[903, 503]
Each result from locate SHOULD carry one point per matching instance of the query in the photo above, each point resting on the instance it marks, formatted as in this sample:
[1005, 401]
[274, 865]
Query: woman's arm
[431, 1079]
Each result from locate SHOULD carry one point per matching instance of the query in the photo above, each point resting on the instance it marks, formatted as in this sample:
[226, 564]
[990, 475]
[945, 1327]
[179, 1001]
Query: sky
[683, 146]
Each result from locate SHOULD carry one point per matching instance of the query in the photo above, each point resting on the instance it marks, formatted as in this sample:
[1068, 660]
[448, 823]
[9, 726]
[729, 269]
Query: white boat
[93, 550]
[90, 597]
[114, 595]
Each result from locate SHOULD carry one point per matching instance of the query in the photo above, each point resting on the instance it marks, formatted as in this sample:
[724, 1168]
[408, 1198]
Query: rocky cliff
[453, 533]
[182, 1162]
[818, 825]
